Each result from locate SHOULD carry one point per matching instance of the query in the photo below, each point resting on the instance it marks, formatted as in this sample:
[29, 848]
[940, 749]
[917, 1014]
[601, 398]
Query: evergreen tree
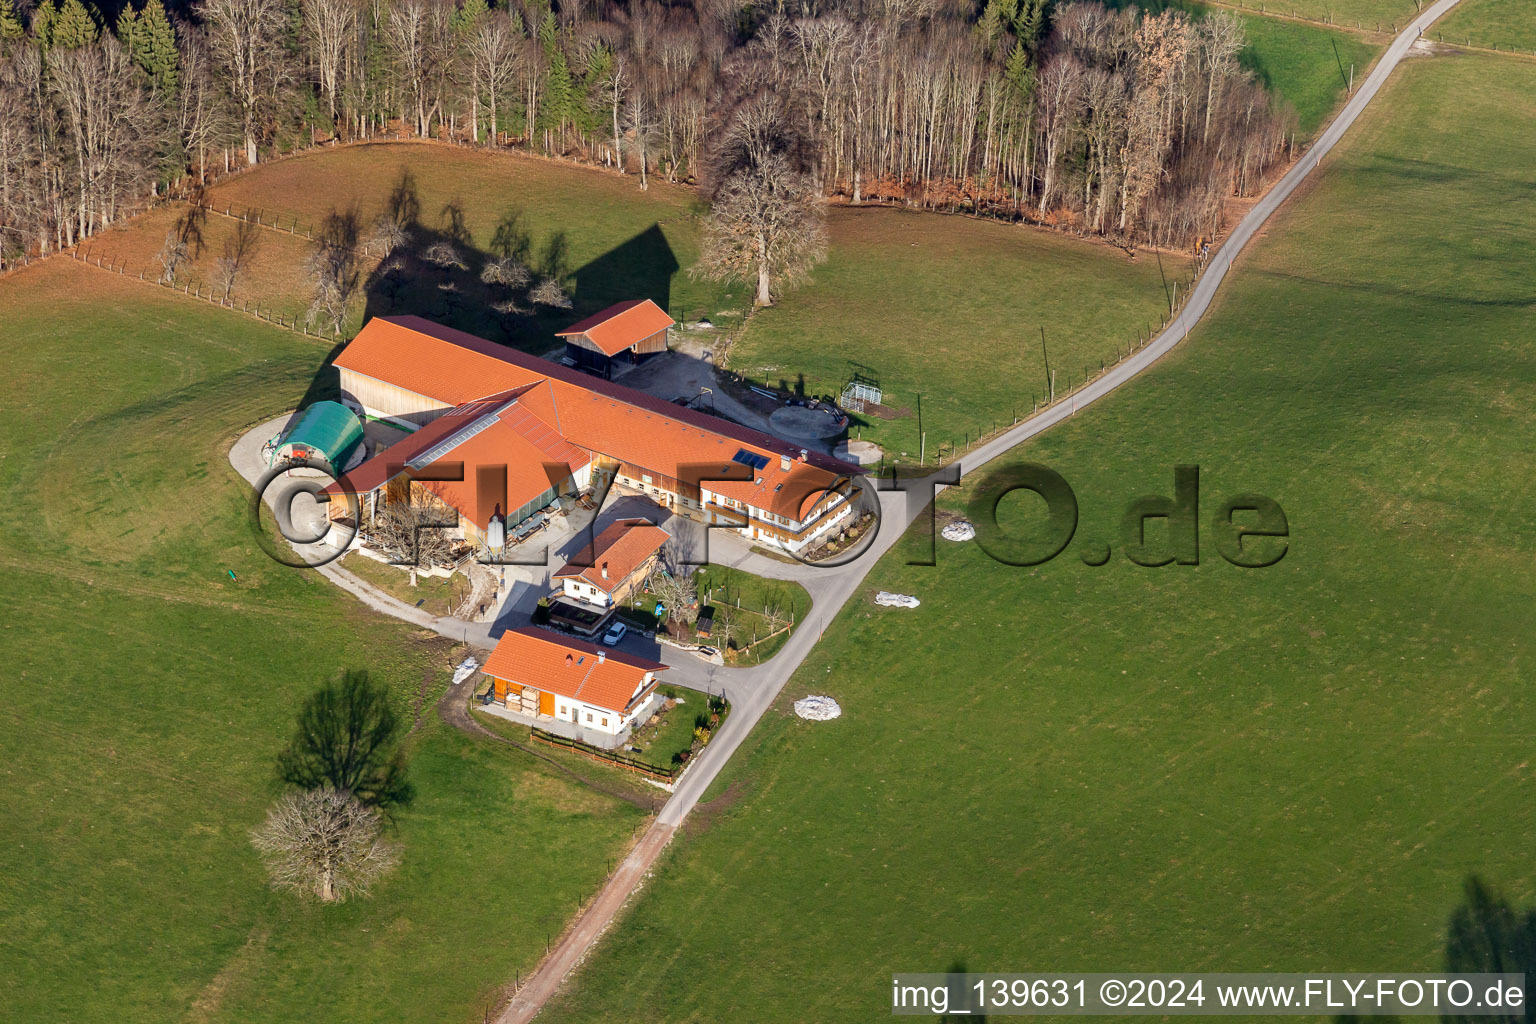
[555, 111]
[154, 48]
[128, 32]
[1030, 22]
[43, 18]
[73, 28]
[10, 21]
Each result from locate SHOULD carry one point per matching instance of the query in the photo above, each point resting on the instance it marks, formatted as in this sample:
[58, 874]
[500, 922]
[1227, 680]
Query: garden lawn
[946, 312]
[155, 664]
[762, 606]
[1187, 768]
[1504, 24]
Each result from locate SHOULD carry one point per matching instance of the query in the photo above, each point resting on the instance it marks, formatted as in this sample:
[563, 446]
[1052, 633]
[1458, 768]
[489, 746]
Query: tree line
[1124, 123]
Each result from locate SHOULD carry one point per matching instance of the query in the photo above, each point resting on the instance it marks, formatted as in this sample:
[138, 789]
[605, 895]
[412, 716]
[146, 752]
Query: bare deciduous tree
[246, 37]
[325, 843]
[333, 271]
[677, 591]
[238, 248]
[766, 223]
[413, 534]
[330, 32]
[549, 293]
[506, 271]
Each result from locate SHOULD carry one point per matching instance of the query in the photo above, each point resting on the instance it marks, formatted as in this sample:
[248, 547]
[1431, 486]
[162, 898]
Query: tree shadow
[640, 268]
[437, 271]
[1488, 935]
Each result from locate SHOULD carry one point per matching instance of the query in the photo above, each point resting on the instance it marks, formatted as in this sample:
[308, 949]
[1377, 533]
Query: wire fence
[193, 288]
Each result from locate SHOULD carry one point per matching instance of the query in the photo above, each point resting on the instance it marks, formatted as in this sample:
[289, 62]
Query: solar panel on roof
[451, 442]
[747, 458]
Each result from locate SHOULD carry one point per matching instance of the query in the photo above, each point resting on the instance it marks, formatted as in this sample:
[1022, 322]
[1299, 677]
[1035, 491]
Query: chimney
[784, 463]
[804, 454]
[569, 661]
[605, 570]
[602, 656]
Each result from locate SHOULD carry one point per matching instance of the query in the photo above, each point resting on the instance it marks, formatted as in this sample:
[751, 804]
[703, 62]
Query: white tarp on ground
[817, 709]
[958, 530]
[891, 600]
[465, 670]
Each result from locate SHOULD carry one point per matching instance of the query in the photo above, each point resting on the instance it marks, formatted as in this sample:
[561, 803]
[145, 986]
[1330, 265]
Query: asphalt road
[753, 690]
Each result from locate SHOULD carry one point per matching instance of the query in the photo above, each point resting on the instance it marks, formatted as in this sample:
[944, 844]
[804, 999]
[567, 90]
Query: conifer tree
[10, 21]
[73, 28]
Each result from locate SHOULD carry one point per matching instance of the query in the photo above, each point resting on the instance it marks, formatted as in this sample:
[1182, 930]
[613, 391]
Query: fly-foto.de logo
[1247, 530]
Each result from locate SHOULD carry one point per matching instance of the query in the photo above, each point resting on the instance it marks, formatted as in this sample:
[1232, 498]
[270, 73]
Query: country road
[754, 690]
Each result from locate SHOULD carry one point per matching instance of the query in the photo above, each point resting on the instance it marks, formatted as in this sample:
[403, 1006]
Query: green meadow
[1200, 768]
[155, 663]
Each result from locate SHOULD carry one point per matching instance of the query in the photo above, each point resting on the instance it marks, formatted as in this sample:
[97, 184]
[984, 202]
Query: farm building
[590, 432]
[326, 435]
[545, 675]
[627, 332]
[607, 571]
[490, 458]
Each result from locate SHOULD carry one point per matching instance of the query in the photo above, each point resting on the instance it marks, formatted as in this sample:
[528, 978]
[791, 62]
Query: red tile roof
[600, 416]
[621, 325]
[490, 434]
[572, 668]
[621, 549]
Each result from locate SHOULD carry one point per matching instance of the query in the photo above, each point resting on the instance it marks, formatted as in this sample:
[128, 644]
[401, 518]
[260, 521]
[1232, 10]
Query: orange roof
[600, 416]
[621, 325]
[483, 439]
[621, 549]
[569, 667]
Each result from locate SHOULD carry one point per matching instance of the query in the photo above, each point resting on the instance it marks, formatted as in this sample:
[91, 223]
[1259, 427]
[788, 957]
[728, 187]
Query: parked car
[615, 634]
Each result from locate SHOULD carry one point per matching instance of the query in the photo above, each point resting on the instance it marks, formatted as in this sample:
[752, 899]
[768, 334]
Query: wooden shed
[628, 332]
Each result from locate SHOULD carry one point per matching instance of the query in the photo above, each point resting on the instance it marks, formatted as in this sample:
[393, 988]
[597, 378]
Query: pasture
[1501, 24]
[155, 662]
[1191, 767]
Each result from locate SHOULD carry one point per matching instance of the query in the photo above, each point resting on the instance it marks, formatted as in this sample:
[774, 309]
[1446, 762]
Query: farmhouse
[544, 430]
[627, 332]
[609, 569]
[542, 674]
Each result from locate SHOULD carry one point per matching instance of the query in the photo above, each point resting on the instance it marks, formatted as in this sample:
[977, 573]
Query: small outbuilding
[629, 332]
[324, 435]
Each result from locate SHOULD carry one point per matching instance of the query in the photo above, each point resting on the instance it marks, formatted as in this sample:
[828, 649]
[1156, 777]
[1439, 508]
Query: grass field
[147, 692]
[1189, 768]
[950, 309]
[1505, 24]
[603, 237]
[1306, 66]
[433, 594]
[610, 240]
[1367, 14]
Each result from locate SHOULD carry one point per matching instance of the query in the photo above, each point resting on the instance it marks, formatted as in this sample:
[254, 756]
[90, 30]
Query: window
[605, 723]
[589, 716]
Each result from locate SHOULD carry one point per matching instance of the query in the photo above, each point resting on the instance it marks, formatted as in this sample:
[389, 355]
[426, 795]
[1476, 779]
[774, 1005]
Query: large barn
[474, 407]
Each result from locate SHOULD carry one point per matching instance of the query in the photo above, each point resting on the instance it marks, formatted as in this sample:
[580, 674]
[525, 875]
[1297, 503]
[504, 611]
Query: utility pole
[1049, 378]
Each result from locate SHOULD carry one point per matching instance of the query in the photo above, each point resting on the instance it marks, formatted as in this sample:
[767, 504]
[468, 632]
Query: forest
[1128, 124]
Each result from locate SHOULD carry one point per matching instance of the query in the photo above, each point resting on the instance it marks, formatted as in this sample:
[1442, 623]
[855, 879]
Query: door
[546, 703]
